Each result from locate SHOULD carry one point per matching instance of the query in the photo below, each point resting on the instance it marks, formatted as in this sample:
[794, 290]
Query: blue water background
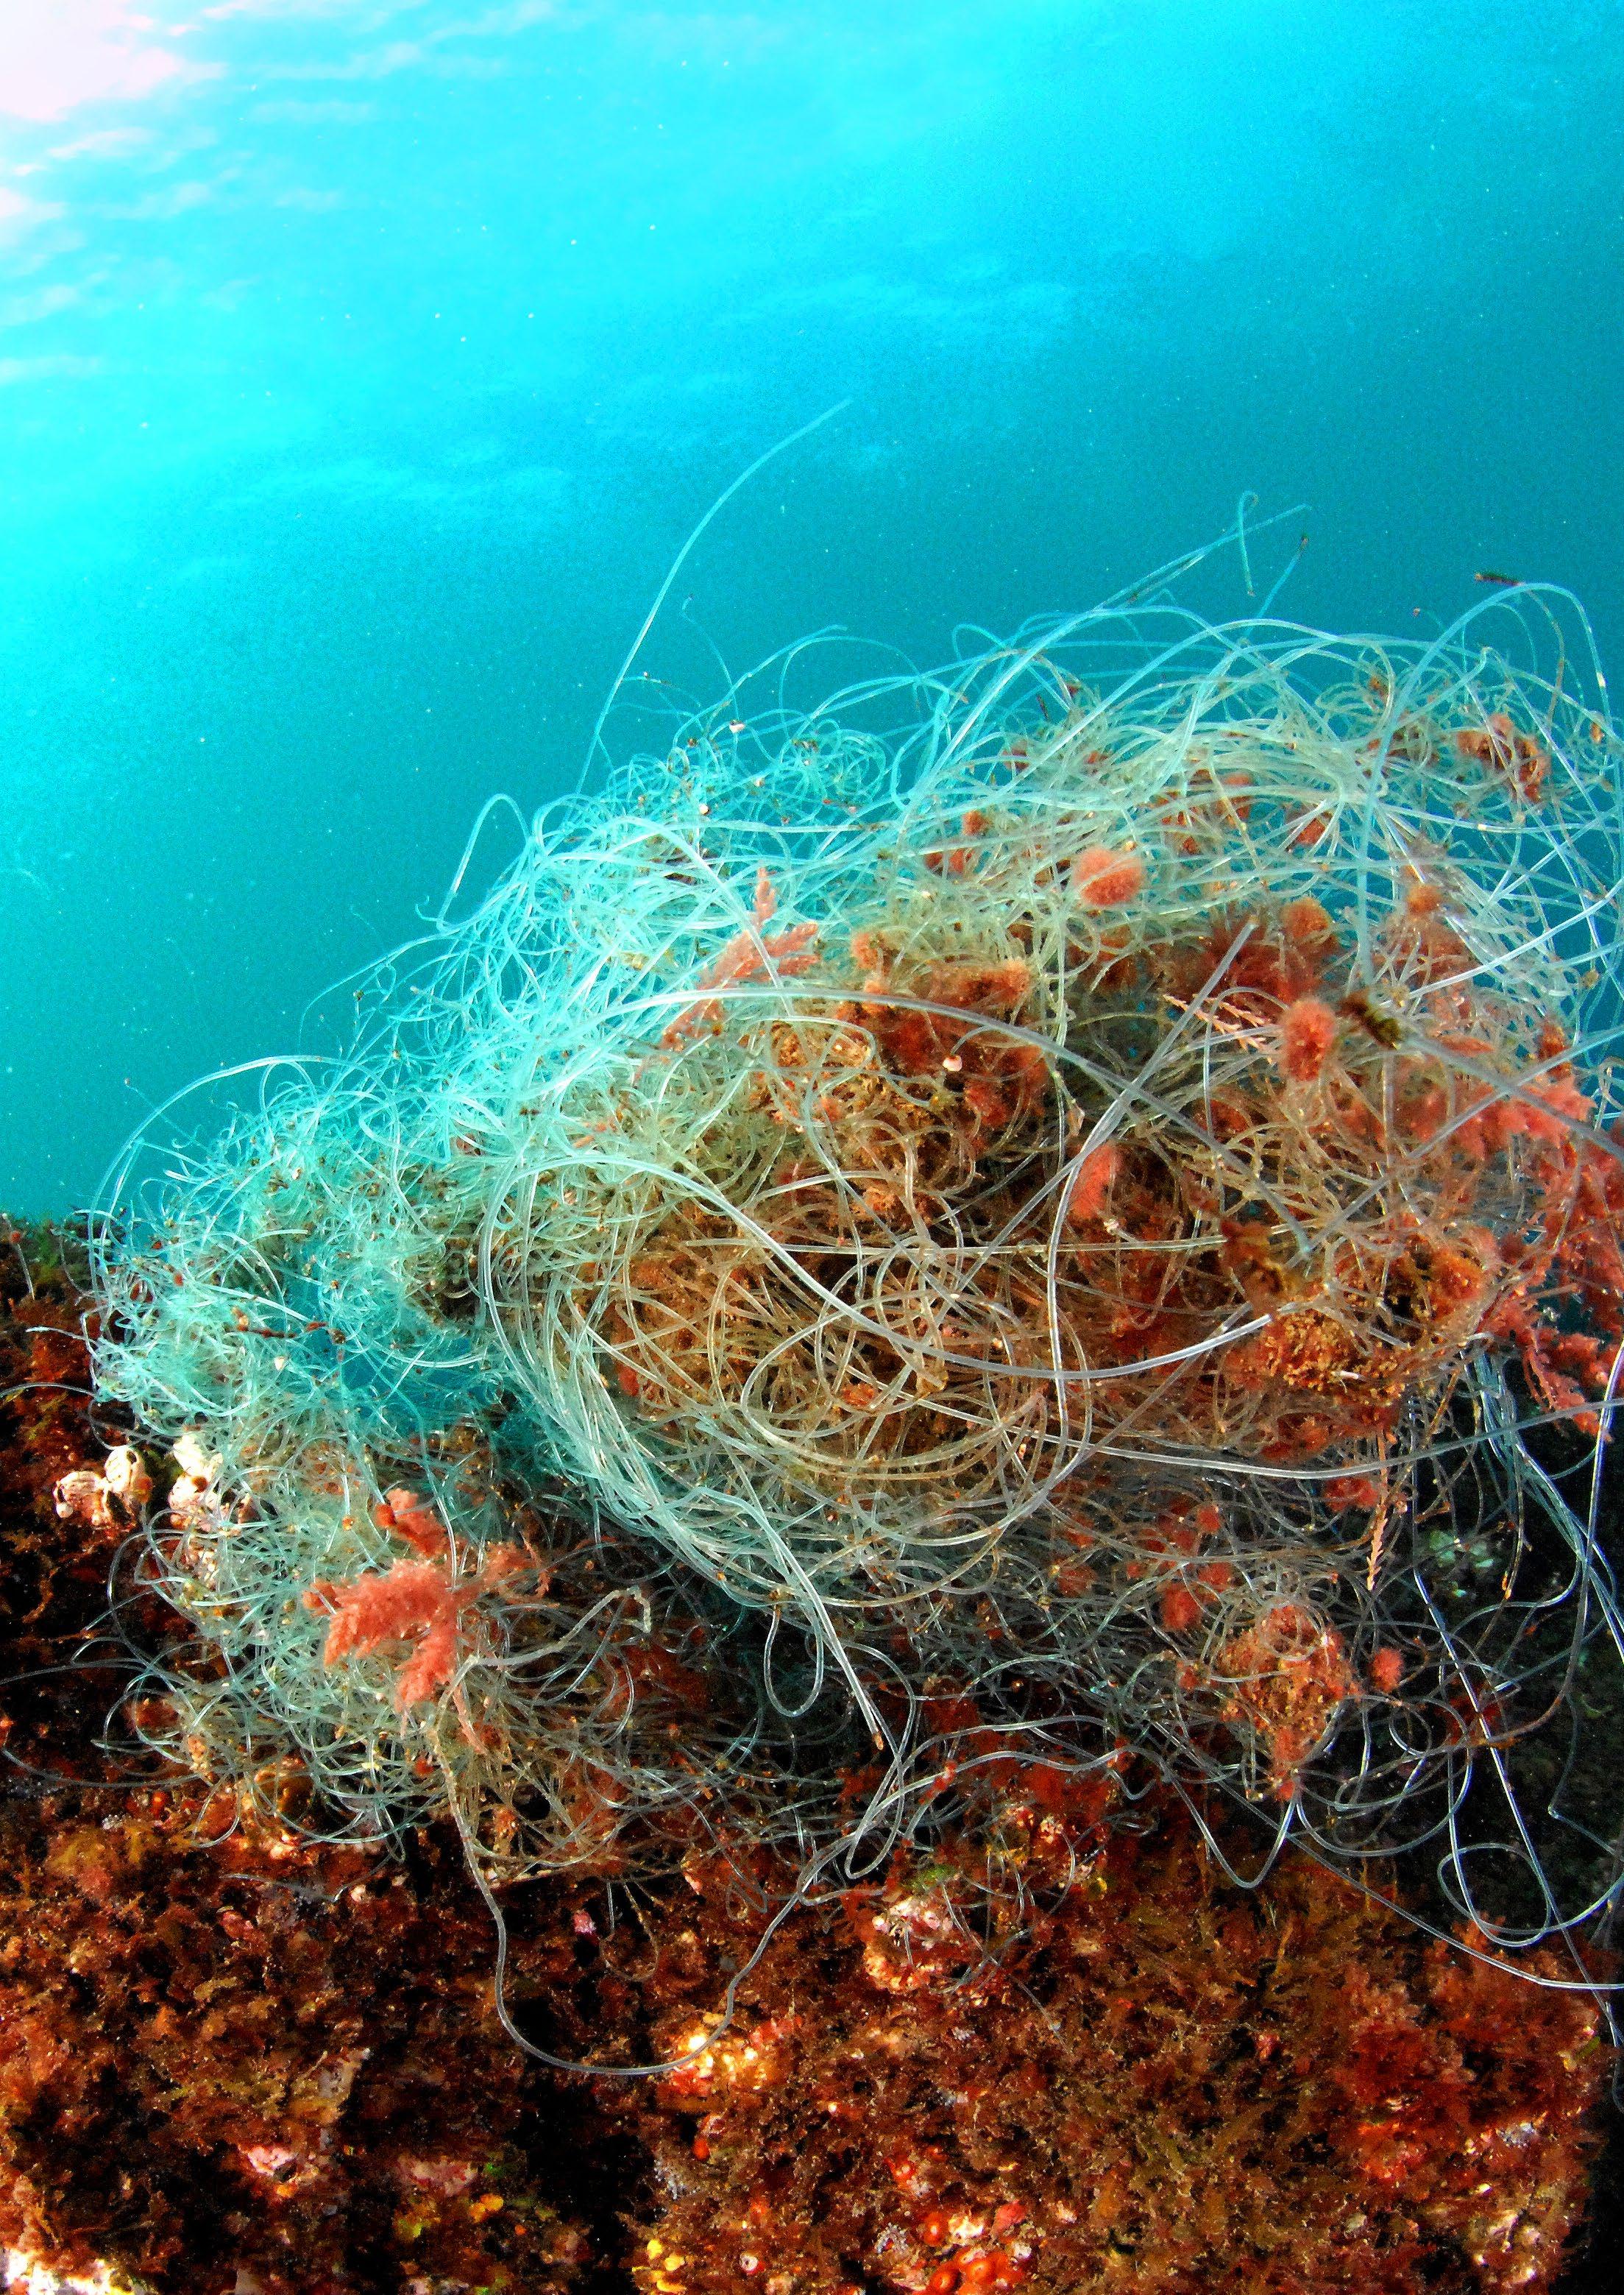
[364, 365]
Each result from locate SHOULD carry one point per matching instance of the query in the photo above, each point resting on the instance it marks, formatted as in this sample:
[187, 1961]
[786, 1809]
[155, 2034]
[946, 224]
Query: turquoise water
[362, 366]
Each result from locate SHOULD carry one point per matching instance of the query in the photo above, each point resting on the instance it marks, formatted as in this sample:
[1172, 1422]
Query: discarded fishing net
[1067, 1204]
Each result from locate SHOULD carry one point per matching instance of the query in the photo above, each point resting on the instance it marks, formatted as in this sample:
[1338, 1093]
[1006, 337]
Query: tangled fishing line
[911, 1244]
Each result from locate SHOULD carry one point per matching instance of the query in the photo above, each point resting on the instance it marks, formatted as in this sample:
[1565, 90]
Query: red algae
[1073, 2056]
[246, 2063]
[1308, 1030]
[413, 1603]
[246, 2060]
[1104, 879]
[1154, 2079]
